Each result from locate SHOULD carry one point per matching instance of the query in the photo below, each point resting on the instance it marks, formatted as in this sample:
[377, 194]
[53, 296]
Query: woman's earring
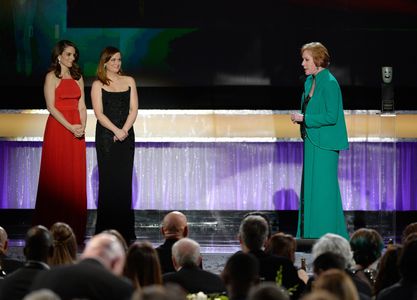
[59, 60]
[105, 66]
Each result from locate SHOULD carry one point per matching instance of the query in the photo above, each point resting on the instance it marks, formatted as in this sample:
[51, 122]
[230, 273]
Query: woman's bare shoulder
[51, 79]
[51, 76]
[97, 84]
[130, 81]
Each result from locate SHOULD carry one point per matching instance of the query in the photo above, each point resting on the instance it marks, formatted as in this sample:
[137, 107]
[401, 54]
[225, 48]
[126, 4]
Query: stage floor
[219, 228]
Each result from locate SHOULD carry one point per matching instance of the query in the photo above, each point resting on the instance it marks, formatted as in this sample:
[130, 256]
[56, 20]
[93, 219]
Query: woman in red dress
[61, 195]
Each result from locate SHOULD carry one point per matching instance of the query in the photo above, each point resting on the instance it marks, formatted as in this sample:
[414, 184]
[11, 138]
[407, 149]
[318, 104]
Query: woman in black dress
[115, 103]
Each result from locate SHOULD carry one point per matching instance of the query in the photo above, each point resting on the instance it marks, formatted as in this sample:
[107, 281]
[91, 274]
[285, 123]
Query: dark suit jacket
[8, 264]
[165, 256]
[363, 287]
[194, 280]
[269, 265]
[16, 284]
[88, 279]
[401, 290]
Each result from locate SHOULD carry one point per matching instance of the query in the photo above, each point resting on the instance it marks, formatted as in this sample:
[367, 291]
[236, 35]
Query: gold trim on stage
[220, 125]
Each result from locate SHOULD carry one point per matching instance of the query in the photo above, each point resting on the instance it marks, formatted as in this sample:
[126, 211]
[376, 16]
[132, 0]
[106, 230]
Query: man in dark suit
[7, 264]
[174, 227]
[186, 259]
[253, 234]
[38, 246]
[97, 276]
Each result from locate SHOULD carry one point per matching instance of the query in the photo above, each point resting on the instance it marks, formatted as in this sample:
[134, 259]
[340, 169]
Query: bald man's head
[3, 241]
[186, 252]
[107, 249]
[174, 225]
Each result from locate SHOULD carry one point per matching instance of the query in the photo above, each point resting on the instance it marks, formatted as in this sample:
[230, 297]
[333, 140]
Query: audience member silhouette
[38, 246]
[285, 245]
[263, 215]
[186, 259]
[320, 295]
[388, 272]
[327, 261]
[7, 264]
[64, 245]
[409, 229]
[268, 291]
[119, 236]
[174, 227]
[337, 282]
[170, 291]
[97, 276]
[337, 244]
[406, 288]
[142, 265]
[323, 262]
[253, 232]
[334, 243]
[240, 273]
[367, 245]
[43, 294]
[282, 244]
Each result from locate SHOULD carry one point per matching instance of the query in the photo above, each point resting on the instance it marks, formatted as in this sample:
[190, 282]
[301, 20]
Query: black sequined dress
[115, 168]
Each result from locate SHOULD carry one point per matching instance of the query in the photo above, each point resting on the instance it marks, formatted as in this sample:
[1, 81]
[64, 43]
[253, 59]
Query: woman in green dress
[324, 133]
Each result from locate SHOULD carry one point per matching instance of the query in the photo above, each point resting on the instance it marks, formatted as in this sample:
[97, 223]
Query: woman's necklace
[65, 74]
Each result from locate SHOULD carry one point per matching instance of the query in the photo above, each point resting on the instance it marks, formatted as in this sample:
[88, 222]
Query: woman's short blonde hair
[320, 54]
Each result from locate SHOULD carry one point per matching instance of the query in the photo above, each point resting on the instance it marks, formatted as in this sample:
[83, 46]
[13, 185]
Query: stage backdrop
[229, 175]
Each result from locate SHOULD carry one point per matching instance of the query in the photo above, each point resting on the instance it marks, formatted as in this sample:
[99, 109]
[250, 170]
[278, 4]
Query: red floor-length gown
[62, 180]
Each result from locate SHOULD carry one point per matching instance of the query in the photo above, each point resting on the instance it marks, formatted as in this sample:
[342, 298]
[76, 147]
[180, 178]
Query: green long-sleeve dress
[324, 134]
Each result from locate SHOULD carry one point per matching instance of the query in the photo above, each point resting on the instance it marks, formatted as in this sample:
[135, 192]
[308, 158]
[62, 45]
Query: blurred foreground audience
[97, 276]
[37, 249]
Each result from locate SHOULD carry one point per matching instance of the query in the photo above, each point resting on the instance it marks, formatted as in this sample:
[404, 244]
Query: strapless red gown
[62, 192]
